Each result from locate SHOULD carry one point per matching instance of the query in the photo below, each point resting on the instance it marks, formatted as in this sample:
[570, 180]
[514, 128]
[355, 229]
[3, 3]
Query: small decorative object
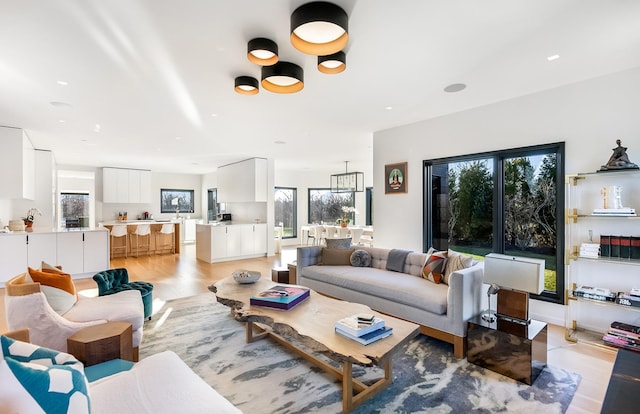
[619, 160]
[16, 225]
[395, 178]
[246, 276]
[612, 203]
[344, 220]
[28, 220]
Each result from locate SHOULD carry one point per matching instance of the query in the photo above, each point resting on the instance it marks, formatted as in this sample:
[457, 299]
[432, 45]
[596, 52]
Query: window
[507, 202]
[326, 207]
[286, 212]
[213, 207]
[369, 207]
[173, 201]
[74, 210]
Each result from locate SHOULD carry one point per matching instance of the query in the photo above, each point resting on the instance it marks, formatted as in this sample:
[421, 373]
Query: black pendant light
[261, 51]
[283, 77]
[246, 85]
[332, 64]
[319, 28]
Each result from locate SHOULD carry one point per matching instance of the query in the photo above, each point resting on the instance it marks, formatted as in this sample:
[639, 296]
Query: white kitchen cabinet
[260, 238]
[120, 185]
[234, 240]
[17, 169]
[13, 255]
[41, 247]
[188, 230]
[243, 181]
[70, 251]
[220, 243]
[83, 251]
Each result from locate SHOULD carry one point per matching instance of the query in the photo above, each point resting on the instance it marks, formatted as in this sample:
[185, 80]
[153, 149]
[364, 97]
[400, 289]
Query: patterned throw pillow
[35, 379]
[434, 266]
[57, 287]
[455, 261]
[360, 258]
[343, 244]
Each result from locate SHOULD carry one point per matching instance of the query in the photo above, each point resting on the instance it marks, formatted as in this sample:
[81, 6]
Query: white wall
[588, 116]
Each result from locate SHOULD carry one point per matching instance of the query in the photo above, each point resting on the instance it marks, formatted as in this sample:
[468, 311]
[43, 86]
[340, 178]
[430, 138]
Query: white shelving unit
[588, 319]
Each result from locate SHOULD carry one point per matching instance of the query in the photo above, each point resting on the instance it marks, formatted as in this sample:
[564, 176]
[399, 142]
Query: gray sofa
[441, 310]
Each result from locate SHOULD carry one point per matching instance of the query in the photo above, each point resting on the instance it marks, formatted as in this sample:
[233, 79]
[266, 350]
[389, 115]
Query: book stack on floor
[623, 335]
[282, 297]
[364, 328]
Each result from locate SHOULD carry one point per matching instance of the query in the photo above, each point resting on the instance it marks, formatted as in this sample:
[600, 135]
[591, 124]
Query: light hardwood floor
[181, 275]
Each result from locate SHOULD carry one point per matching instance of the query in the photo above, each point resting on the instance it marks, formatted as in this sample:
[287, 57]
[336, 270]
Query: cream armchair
[27, 307]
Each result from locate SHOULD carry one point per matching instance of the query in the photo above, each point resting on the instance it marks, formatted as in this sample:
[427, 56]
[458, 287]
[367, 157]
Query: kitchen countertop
[69, 230]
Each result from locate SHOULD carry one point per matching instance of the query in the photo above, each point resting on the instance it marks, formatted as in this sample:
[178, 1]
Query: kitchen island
[155, 237]
[217, 242]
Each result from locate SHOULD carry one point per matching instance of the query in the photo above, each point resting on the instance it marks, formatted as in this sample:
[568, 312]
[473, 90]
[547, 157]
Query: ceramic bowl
[246, 276]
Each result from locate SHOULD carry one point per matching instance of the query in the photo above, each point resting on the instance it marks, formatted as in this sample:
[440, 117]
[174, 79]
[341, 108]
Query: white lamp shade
[514, 272]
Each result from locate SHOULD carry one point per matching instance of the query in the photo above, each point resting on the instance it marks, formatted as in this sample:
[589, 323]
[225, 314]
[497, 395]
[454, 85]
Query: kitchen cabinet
[17, 169]
[243, 181]
[41, 247]
[120, 185]
[588, 319]
[13, 255]
[220, 243]
[83, 251]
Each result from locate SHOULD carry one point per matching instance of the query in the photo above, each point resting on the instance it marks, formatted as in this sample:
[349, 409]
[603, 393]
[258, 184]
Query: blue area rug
[263, 377]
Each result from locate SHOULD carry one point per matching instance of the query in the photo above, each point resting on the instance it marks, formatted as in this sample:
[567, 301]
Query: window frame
[310, 189]
[185, 207]
[498, 157]
[294, 213]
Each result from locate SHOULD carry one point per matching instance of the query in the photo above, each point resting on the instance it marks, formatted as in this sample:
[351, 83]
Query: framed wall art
[395, 178]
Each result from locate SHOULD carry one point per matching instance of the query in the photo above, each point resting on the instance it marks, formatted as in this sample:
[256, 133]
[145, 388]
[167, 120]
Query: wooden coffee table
[312, 323]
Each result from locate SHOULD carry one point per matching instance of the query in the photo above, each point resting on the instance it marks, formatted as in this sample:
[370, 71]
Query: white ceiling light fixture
[245, 85]
[283, 77]
[263, 52]
[332, 64]
[553, 57]
[319, 28]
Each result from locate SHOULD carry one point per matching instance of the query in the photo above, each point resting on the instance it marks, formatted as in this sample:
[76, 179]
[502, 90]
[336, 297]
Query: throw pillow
[338, 243]
[360, 258]
[37, 379]
[57, 287]
[336, 257]
[455, 261]
[434, 266]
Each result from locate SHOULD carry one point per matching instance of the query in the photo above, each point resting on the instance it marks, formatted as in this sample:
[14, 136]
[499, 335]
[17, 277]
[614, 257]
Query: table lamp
[513, 278]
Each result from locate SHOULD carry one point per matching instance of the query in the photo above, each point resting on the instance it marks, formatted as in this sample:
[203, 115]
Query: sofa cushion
[456, 261]
[360, 258]
[336, 257]
[57, 286]
[434, 267]
[125, 306]
[35, 379]
[344, 243]
[399, 287]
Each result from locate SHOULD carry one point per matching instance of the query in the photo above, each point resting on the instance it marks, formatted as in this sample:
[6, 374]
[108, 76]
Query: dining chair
[356, 234]
[367, 238]
[342, 232]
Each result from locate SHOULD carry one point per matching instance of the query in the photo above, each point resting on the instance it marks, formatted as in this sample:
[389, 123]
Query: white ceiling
[152, 71]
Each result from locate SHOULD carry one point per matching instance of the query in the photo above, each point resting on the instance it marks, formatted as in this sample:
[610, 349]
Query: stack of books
[629, 298]
[623, 335]
[625, 211]
[364, 328]
[590, 250]
[594, 293]
[282, 297]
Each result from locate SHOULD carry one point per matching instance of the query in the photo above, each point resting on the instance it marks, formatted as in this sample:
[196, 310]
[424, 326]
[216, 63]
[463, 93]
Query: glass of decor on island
[344, 220]
[29, 219]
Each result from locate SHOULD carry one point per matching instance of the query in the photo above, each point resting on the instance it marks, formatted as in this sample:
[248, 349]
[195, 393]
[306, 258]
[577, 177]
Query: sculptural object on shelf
[619, 159]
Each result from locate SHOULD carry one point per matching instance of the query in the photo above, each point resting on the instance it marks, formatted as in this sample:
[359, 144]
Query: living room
[587, 110]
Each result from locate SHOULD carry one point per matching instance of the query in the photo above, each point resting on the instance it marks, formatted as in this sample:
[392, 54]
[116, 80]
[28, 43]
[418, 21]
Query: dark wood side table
[99, 343]
[508, 348]
[623, 391]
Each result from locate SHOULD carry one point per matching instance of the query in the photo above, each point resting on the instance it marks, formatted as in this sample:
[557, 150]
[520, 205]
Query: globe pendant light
[283, 77]
[261, 51]
[246, 85]
[319, 28]
[332, 64]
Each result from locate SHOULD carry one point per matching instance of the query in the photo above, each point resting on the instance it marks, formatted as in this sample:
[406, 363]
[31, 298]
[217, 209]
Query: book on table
[357, 327]
[280, 297]
[367, 338]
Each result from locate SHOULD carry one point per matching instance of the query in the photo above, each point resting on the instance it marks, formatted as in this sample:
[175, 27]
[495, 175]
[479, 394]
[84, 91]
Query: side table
[99, 343]
[508, 348]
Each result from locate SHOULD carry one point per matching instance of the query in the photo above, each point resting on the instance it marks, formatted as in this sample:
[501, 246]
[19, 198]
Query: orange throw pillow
[57, 287]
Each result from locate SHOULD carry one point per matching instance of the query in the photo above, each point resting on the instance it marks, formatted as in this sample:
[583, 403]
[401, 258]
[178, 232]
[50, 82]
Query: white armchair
[27, 307]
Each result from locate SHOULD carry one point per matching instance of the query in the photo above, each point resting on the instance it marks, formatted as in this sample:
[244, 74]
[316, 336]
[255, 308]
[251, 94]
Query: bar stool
[142, 230]
[167, 229]
[117, 231]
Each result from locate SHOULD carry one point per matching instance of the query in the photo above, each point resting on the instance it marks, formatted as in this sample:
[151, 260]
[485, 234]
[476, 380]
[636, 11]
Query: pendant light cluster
[318, 28]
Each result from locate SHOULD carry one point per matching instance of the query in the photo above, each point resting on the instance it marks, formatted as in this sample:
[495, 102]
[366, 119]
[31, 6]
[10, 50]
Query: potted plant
[344, 220]
[29, 219]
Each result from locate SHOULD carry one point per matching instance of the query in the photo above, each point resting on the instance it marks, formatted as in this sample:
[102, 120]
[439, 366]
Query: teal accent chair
[116, 280]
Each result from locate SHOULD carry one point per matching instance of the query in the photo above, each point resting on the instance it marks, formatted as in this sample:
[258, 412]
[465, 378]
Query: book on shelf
[280, 297]
[625, 211]
[628, 336]
[355, 327]
[626, 299]
[626, 327]
[367, 338]
[589, 292]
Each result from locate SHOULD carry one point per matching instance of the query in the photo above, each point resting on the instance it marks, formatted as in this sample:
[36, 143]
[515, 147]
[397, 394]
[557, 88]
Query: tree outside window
[285, 210]
[73, 206]
[326, 207]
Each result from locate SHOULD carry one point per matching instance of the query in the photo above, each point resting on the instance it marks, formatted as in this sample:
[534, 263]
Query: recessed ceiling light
[214, 115]
[178, 138]
[553, 57]
[61, 121]
[455, 87]
[61, 105]
[63, 83]
[388, 108]
[279, 142]
[97, 128]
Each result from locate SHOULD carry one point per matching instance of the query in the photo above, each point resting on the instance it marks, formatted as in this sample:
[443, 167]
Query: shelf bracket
[573, 179]
[570, 214]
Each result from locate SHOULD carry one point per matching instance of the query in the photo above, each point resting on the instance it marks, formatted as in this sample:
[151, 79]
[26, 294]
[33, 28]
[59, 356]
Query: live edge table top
[312, 322]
